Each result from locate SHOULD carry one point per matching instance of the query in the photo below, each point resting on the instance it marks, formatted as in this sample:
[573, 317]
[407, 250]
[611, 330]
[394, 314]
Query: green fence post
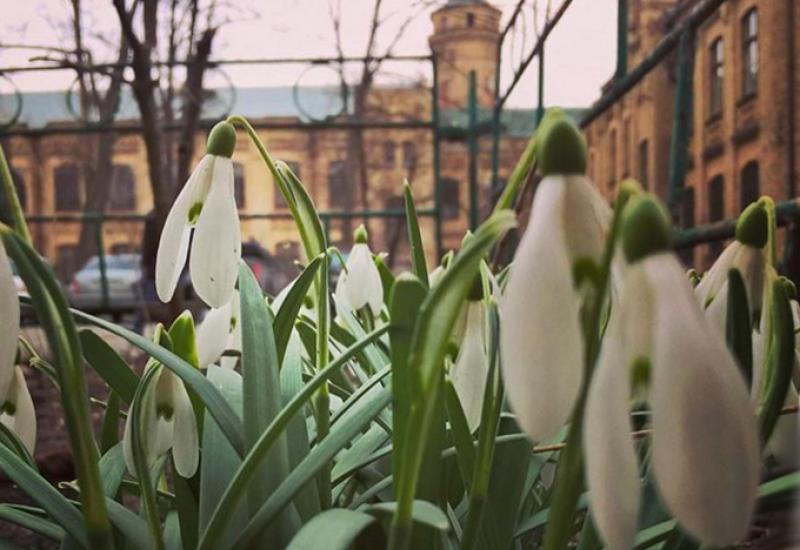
[540, 101]
[97, 219]
[682, 119]
[622, 39]
[472, 142]
[437, 196]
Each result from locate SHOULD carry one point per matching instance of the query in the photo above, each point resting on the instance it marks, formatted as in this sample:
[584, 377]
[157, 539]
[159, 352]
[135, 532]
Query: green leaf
[133, 528]
[304, 212]
[418, 264]
[112, 470]
[44, 494]
[387, 278]
[228, 503]
[738, 328]
[182, 335]
[217, 468]
[52, 312]
[30, 521]
[109, 365]
[424, 513]
[11, 441]
[335, 529]
[338, 438]
[462, 437]
[229, 423]
[407, 297]
[287, 314]
[109, 433]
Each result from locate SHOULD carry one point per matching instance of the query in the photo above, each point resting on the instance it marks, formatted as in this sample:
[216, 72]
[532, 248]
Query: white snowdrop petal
[9, 323]
[471, 368]
[784, 444]
[705, 439]
[715, 277]
[587, 217]
[542, 346]
[217, 246]
[213, 335]
[717, 311]
[759, 348]
[127, 445]
[185, 445]
[25, 422]
[362, 284]
[612, 471]
[173, 245]
[752, 263]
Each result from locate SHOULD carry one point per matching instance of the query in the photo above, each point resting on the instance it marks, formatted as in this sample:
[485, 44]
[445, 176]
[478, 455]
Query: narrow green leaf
[32, 522]
[335, 529]
[133, 528]
[287, 314]
[112, 470]
[44, 494]
[12, 441]
[462, 437]
[424, 513]
[738, 328]
[109, 433]
[418, 263]
[106, 362]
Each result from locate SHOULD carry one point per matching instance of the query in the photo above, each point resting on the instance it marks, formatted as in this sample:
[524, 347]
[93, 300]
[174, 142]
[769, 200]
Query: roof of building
[39, 109]
[455, 3]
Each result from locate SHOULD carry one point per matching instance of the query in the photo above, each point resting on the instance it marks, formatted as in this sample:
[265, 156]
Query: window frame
[716, 75]
[749, 52]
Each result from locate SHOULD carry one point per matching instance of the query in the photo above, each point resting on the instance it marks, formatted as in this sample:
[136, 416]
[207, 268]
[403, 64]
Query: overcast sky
[579, 56]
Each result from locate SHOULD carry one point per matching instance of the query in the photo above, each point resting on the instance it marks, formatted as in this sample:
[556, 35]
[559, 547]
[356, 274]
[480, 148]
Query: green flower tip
[627, 189]
[221, 140]
[646, 228]
[562, 147]
[360, 235]
[476, 291]
[789, 287]
[752, 228]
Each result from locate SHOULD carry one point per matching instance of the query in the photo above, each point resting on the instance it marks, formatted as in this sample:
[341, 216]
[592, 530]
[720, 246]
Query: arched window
[612, 159]
[750, 53]
[716, 74]
[470, 19]
[66, 188]
[749, 184]
[644, 163]
[450, 199]
[123, 188]
[238, 185]
[338, 188]
[388, 153]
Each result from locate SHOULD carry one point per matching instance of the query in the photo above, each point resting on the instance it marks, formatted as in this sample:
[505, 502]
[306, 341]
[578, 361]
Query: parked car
[123, 272]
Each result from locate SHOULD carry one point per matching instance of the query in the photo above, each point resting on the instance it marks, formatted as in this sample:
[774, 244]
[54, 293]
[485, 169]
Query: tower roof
[458, 3]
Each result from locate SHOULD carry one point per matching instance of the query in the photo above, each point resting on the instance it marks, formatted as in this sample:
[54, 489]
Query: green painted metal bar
[437, 188]
[540, 99]
[682, 119]
[622, 39]
[472, 145]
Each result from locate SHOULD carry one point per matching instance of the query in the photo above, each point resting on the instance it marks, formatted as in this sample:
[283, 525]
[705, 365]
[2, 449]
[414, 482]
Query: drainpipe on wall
[792, 252]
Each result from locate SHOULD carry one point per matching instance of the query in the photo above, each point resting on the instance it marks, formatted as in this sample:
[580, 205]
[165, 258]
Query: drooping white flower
[705, 451]
[206, 206]
[9, 322]
[219, 331]
[541, 339]
[747, 254]
[470, 370]
[168, 422]
[360, 283]
[17, 412]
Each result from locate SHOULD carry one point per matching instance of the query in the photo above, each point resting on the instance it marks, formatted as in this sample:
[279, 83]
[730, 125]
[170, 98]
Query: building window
[470, 19]
[238, 185]
[388, 153]
[66, 186]
[750, 53]
[122, 195]
[626, 149]
[750, 187]
[644, 163]
[716, 209]
[716, 73]
[338, 190]
[450, 199]
[409, 155]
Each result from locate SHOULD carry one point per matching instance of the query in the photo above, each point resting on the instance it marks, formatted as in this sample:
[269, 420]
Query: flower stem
[12, 199]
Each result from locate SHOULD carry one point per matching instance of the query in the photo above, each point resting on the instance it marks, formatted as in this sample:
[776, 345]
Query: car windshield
[114, 261]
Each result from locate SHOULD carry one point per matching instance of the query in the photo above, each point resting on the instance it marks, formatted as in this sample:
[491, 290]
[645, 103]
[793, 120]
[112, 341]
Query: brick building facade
[744, 126]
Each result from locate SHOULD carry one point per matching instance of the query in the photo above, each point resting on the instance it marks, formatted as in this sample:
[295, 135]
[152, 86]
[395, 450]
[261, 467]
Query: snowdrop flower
[205, 205]
[471, 368]
[660, 348]
[360, 283]
[541, 339]
[168, 422]
[9, 322]
[17, 412]
[220, 330]
[748, 255]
